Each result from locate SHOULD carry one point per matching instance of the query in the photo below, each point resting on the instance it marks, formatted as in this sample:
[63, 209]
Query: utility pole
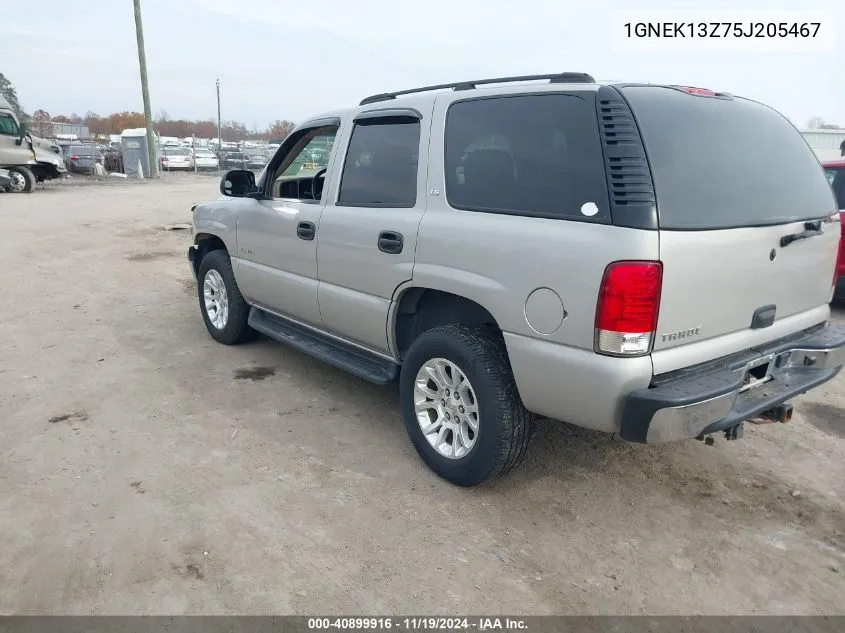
[145, 91]
[219, 137]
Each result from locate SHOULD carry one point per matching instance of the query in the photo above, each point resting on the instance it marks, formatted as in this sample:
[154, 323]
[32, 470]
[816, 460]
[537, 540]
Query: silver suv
[650, 261]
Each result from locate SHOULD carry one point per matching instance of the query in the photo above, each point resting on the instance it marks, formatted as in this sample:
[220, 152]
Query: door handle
[306, 230]
[390, 242]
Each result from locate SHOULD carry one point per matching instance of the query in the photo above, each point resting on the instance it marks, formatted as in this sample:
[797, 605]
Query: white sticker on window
[589, 209]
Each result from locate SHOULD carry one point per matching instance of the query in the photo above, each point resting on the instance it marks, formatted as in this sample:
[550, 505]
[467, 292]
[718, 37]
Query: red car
[835, 170]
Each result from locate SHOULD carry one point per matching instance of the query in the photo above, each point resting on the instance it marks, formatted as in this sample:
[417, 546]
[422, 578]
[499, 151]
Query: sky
[280, 59]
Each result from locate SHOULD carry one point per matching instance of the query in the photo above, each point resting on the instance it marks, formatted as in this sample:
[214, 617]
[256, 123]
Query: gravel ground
[146, 469]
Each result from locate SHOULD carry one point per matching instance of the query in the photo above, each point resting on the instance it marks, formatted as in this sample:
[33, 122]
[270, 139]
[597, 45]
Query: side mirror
[238, 183]
[21, 133]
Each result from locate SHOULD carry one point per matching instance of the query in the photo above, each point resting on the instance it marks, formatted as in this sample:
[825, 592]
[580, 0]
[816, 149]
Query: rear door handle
[390, 242]
[306, 230]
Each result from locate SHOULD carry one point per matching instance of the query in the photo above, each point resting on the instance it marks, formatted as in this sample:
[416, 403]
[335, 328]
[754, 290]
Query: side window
[306, 156]
[8, 126]
[381, 164]
[526, 155]
[314, 155]
[838, 185]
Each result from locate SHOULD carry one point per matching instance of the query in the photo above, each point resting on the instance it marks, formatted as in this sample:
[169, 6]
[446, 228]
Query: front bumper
[706, 399]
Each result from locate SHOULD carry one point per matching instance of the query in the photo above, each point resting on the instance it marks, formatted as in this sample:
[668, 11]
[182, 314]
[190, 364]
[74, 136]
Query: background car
[206, 159]
[233, 160]
[80, 159]
[113, 157]
[835, 171]
[173, 158]
[256, 160]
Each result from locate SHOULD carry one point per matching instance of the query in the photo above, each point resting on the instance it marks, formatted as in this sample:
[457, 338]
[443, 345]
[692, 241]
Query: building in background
[826, 143]
[68, 130]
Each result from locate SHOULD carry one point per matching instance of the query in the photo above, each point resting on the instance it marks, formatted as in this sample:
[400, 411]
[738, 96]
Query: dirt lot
[146, 469]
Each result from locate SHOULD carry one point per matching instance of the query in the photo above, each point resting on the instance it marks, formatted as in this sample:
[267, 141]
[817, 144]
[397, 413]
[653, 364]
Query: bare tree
[11, 95]
[42, 124]
[815, 123]
[279, 129]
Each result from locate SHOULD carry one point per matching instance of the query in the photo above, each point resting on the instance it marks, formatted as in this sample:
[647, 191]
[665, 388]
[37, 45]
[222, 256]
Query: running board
[343, 356]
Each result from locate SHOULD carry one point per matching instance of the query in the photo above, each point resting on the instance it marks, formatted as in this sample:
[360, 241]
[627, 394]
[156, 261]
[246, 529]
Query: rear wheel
[23, 180]
[223, 307]
[461, 407]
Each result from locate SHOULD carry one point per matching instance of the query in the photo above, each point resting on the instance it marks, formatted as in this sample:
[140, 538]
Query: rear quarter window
[535, 155]
[726, 162]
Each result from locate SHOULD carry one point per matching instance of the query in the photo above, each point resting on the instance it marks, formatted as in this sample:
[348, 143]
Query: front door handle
[390, 242]
[306, 230]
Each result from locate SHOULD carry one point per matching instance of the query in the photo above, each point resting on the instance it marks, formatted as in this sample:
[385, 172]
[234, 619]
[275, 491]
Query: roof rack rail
[558, 78]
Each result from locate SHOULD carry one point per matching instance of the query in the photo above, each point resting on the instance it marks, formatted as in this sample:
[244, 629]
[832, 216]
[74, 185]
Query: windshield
[726, 163]
[81, 150]
[176, 152]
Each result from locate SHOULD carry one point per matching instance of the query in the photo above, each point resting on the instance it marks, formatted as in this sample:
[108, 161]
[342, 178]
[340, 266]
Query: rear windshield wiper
[811, 229]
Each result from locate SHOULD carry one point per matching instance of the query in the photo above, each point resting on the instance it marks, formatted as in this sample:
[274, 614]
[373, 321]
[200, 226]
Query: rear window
[81, 150]
[836, 178]
[537, 155]
[724, 163]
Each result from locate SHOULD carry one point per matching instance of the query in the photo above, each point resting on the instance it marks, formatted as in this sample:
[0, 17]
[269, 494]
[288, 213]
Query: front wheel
[461, 407]
[23, 180]
[223, 307]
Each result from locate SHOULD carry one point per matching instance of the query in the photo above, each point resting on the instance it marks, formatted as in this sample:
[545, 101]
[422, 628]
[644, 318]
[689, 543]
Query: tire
[23, 180]
[215, 270]
[503, 426]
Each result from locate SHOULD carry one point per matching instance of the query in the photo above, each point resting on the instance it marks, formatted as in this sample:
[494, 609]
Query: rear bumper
[696, 402]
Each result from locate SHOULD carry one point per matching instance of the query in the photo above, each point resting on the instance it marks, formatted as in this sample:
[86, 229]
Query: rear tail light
[628, 303]
[74, 157]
